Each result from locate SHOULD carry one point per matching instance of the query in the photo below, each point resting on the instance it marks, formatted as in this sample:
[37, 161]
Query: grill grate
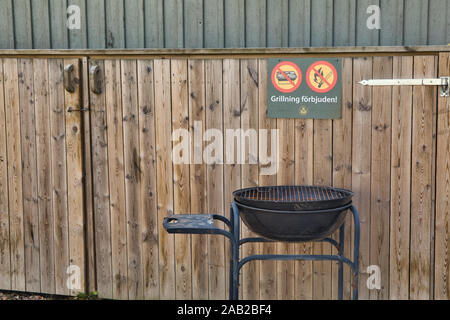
[293, 193]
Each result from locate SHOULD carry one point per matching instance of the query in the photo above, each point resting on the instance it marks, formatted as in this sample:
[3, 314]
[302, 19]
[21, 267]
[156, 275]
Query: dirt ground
[14, 295]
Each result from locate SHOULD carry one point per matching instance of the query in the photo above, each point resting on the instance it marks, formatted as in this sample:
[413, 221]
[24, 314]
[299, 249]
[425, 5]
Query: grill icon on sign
[290, 74]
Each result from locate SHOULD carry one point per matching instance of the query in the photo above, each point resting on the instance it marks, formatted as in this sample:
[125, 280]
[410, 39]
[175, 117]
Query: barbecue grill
[280, 213]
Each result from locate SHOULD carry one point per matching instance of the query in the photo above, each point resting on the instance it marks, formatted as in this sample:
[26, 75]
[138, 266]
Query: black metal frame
[205, 226]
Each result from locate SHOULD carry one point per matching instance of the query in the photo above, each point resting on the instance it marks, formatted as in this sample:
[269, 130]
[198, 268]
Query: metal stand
[204, 224]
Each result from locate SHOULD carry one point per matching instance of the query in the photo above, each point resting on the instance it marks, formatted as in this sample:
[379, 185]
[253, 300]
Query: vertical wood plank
[7, 25]
[164, 177]
[29, 175]
[442, 255]
[149, 213]
[277, 23]
[214, 24]
[154, 23]
[421, 180]
[218, 275]
[235, 22]
[299, 23]
[415, 22]
[5, 260]
[249, 169]
[181, 190]
[391, 22]
[134, 24]
[112, 120]
[198, 176]
[380, 173]
[102, 196]
[78, 37]
[59, 173]
[268, 269]
[322, 19]
[173, 24]
[231, 122]
[44, 175]
[132, 171]
[400, 181]
[40, 21]
[58, 19]
[13, 125]
[115, 24]
[255, 24]
[342, 169]
[364, 35]
[193, 23]
[437, 30]
[75, 177]
[344, 25]
[96, 24]
[23, 30]
[286, 176]
[361, 155]
[322, 175]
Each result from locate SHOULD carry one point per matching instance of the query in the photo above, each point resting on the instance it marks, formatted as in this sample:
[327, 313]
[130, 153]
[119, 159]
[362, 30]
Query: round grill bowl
[293, 226]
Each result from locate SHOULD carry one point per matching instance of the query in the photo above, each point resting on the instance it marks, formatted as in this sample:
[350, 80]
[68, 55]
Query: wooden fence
[91, 188]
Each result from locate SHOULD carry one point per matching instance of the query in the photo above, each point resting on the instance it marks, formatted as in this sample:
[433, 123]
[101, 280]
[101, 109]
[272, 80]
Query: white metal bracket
[442, 82]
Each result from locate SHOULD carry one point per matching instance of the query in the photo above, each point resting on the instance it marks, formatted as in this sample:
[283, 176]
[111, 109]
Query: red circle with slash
[318, 76]
[286, 76]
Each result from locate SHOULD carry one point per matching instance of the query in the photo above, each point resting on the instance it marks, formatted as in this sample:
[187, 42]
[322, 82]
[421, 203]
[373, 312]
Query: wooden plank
[342, 170]
[115, 28]
[193, 23]
[198, 176]
[40, 21]
[361, 155]
[58, 19]
[364, 35]
[437, 29]
[442, 255]
[234, 22]
[322, 175]
[104, 201]
[277, 24]
[173, 24]
[112, 120]
[59, 173]
[415, 22]
[218, 275]
[7, 25]
[29, 175]
[400, 181]
[304, 157]
[286, 176]
[214, 24]
[154, 23]
[74, 158]
[149, 213]
[256, 29]
[392, 20]
[268, 269]
[231, 122]
[132, 173]
[44, 175]
[5, 261]
[78, 37]
[181, 190]
[96, 26]
[134, 24]
[16, 228]
[22, 25]
[344, 27]
[164, 177]
[299, 23]
[380, 174]
[322, 19]
[421, 180]
[249, 169]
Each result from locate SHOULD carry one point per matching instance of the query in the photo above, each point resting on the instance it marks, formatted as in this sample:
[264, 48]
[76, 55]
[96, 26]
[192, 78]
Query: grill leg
[356, 252]
[234, 252]
[341, 263]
